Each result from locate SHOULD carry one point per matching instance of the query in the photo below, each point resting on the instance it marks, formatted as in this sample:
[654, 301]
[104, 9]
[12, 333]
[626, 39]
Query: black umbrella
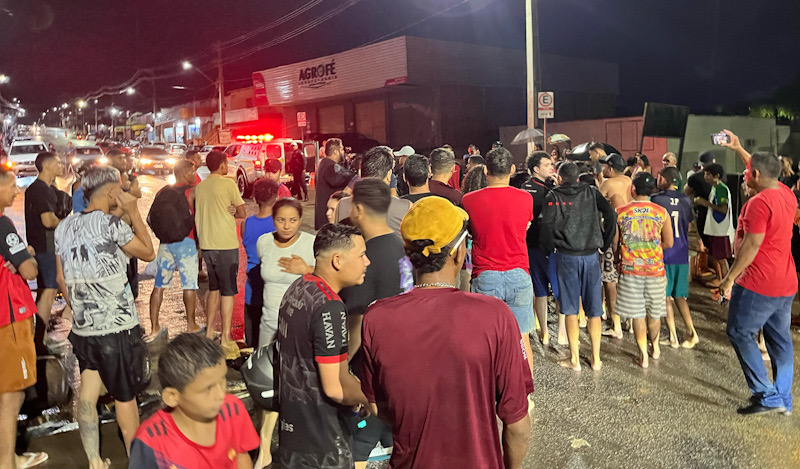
[581, 152]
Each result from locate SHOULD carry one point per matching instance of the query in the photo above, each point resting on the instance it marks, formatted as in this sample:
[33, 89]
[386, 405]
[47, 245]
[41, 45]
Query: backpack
[170, 217]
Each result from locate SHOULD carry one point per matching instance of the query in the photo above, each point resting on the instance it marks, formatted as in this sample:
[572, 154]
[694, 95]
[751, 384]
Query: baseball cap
[615, 161]
[405, 151]
[435, 219]
[272, 165]
[707, 157]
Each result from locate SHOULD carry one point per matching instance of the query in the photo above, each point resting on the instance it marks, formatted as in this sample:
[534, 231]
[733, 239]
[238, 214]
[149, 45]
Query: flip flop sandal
[201, 332]
[33, 459]
[151, 338]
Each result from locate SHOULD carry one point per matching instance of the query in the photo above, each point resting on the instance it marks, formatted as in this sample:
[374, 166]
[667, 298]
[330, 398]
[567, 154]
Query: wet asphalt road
[680, 413]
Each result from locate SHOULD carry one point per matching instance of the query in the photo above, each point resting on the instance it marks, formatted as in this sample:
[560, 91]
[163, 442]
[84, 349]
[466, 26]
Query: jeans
[750, 312]
[514, 288]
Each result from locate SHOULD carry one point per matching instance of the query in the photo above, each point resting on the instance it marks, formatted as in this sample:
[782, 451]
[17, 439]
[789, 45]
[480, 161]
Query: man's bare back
[617, 190]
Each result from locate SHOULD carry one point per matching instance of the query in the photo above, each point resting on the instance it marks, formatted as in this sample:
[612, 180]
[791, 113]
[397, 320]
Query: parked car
[208, 149]
[22, 156]
[156, 160]
[176, 150]
[87, 155]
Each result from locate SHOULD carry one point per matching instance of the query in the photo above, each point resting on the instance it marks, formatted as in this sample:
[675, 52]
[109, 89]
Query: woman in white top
[286, 254]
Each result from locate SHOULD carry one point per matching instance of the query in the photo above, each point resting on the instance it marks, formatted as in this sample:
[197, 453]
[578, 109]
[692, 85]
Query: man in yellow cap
[437, 352]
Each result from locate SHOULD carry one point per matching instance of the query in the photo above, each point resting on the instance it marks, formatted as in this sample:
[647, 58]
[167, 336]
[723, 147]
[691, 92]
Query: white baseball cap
[405, 151]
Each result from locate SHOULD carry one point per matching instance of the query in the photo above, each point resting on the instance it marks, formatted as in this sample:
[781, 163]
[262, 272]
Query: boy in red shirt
[201, 426]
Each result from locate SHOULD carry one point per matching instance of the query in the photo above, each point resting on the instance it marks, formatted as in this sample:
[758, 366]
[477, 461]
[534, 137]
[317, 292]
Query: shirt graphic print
[640, 226]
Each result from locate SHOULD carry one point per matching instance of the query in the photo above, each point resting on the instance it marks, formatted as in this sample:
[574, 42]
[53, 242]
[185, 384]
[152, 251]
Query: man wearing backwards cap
[465, 348]
[616, 188]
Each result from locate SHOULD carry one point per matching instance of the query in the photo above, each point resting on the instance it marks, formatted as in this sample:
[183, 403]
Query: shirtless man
[616, 188]
[597, 152]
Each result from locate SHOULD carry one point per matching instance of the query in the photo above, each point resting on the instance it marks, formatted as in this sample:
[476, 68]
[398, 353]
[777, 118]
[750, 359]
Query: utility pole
[95, 116]
[153, 81]
[531, 33]
[221, 85]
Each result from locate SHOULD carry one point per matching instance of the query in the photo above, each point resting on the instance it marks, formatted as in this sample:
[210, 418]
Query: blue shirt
[78, 204]
[254, 227]
[679, 208]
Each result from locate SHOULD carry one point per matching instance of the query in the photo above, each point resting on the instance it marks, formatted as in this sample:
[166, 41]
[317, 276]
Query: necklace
[434, 285]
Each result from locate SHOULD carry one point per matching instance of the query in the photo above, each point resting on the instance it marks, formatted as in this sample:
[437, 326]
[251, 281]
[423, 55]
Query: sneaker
[231, 350]
[755, 409]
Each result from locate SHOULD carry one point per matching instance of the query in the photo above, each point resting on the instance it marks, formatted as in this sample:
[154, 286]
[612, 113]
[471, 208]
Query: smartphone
[720, 137]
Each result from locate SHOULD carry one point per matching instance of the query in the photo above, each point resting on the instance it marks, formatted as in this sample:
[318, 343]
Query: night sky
[700, 53]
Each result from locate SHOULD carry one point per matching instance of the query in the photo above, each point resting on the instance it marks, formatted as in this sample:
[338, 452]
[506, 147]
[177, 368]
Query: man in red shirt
[466, 348]
[272, 170]
[499, 248]
[762, 283]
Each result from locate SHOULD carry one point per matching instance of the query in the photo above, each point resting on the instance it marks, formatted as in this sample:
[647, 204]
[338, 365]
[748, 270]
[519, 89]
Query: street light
[81, 104]
[185, 64]
[129, 90]
[4, 79]
[64, 106]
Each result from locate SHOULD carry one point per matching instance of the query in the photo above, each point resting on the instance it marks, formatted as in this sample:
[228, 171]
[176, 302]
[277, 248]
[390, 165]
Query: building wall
[755, 133]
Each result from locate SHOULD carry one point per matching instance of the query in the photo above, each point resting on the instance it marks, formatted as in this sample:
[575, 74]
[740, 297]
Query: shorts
[719, 247]
[543, 273]
[182, 255]
[121, 359]
[639, 296]
[579, 282]
[46, 278]
[610, 272]
[365, 439]
[18, 366]
[223, 270]
[514, 288]
[677, 280]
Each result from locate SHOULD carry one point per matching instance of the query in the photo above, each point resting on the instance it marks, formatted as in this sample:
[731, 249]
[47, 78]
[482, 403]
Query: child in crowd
[201, 426]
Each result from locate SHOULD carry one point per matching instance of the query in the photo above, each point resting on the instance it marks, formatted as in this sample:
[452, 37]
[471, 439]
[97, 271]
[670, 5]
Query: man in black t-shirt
[331, 176]
[40, 224]
[696, 186]
[540, 166]
[18, 365]
[315, 388]
[416, 172]
[384, 278]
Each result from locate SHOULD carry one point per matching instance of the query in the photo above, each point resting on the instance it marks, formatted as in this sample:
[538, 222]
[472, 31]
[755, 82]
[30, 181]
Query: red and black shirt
[160, 443]
[16, 300]
[312, 328]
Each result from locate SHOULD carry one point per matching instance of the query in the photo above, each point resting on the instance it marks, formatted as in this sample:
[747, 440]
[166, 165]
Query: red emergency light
[255, 138]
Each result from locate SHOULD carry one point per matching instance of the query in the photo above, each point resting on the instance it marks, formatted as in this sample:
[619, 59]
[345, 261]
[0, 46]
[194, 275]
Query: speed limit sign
[545, 105]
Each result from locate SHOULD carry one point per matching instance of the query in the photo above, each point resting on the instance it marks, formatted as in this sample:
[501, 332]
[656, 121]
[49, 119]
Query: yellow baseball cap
[436, 219]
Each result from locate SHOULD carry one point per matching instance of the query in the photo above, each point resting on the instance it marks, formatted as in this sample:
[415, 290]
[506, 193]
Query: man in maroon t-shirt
[499, 248]
[762, 283]
[466, 348]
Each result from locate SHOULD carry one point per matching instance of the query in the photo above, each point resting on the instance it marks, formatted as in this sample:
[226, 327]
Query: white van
[246, 160]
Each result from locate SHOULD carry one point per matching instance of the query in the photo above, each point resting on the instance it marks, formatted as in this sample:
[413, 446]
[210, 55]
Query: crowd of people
[415, 301]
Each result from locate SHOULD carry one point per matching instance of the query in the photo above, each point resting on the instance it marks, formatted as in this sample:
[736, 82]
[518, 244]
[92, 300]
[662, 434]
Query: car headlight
[145, 161]
[171, 161]
[76, 160]
[9, 164]
[103, 160]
